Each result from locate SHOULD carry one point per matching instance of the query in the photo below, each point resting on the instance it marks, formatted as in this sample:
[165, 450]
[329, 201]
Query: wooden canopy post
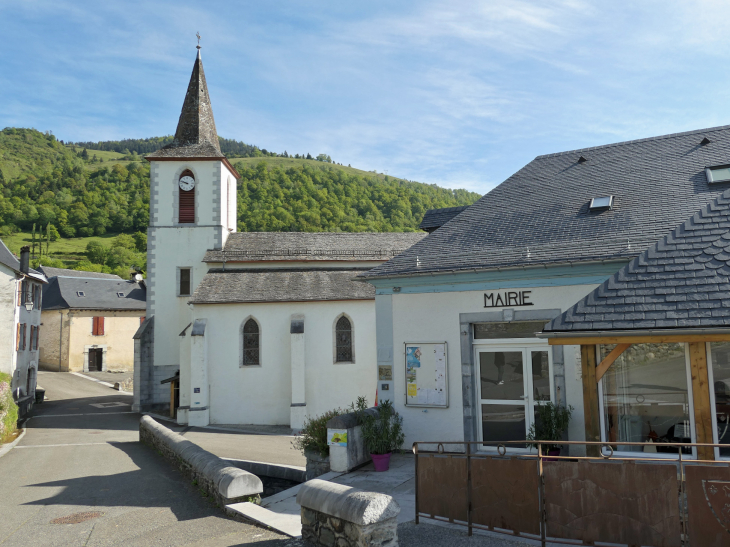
[701, 399]
[590, 398]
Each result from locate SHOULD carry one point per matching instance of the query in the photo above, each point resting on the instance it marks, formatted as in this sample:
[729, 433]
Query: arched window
[251, 343]
[186, 202]
[343, 340]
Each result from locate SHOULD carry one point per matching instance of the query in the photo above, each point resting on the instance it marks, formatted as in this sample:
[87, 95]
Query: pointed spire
[196, 135]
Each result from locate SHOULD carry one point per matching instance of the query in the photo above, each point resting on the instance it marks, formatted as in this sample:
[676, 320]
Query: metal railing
[445, 472]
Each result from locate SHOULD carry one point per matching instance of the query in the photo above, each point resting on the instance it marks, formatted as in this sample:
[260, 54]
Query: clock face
[187, 183]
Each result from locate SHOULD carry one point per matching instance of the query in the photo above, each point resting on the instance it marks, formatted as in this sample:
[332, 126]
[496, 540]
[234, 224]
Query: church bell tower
[192, 210]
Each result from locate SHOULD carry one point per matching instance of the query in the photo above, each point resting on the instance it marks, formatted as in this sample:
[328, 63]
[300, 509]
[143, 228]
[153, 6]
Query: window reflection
[503, 423]
[720, 352]
[540, 376]
[501, 375]
[645, 397]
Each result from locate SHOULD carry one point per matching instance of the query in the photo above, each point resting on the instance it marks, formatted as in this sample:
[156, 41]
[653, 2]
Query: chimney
[24, 259]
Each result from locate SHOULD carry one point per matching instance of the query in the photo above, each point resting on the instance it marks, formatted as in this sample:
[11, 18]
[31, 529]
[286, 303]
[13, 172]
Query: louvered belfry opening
[251, 345]
[343, 334]
[187, 202]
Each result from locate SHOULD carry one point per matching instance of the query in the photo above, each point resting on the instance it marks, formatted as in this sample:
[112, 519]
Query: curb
[4, 449]
[108, 384]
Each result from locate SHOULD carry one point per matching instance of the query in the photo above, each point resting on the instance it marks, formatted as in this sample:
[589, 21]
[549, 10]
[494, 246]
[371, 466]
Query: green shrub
[8, 409]
[383, 433]
[313, 437]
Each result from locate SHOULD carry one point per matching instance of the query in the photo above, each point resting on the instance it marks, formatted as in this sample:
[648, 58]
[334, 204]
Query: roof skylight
[120, 294]
[605, 202]
[80, 293]
[721, 173]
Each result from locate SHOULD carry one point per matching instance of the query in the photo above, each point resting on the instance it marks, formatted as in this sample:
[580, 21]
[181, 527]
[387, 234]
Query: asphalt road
[81, 454]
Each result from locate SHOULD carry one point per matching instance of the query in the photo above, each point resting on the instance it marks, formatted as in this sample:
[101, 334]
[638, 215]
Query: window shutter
[141, 319]
[101, 326]
[93, 326]
[17, 337]
[20, 293]
[187, 206]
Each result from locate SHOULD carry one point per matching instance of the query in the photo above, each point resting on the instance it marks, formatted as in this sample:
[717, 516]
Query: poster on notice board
[426, 374]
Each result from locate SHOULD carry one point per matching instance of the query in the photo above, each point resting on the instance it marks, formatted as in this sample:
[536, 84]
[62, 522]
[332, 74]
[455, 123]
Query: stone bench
[226, 483]
[342, 516]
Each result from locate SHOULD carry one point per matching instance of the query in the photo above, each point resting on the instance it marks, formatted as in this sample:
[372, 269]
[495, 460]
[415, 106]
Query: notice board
[427, 374]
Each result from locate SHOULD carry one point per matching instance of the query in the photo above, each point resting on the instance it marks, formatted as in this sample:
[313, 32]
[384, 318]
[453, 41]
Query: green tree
[97, 253]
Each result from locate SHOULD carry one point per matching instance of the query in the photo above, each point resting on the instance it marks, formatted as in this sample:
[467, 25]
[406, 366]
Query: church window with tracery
[343, 340]
[251, 343]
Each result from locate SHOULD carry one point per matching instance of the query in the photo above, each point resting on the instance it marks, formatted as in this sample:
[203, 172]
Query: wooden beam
[659, 339]
[701, 399]
[590, 397]
[172, 399]
[609, 360]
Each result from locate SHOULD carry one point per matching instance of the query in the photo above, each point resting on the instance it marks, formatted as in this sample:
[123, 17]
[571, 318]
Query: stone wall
[334, 515]
[217, 478]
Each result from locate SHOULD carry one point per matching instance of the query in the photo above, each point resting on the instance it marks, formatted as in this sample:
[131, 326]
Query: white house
[255, 328]
[20, 320]
[466, 302]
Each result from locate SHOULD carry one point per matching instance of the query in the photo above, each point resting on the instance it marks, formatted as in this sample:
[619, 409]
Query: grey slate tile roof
[196, 135]
[540, 215]
[63, 272]
[11, 261]
[280, 285]
[344, 246]
[683, 281]
[435, 218]
[99, 294]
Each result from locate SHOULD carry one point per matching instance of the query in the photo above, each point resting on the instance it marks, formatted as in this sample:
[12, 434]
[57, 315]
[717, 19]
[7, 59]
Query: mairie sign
[507, 298]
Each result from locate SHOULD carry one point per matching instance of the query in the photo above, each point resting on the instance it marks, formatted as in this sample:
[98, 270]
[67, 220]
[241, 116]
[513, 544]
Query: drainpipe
[60, 340]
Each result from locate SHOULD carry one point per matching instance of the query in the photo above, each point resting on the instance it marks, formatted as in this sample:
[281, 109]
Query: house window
[23, 333]
[34, 335]
[343, 340]
[645, 398]
[97, 326]
[721, 173]
[186, 210]
[251, 343]
[184, 282]
[37, 297]
[23, 296]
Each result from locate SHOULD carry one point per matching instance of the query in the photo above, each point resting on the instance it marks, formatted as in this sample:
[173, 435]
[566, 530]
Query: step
[288, 524]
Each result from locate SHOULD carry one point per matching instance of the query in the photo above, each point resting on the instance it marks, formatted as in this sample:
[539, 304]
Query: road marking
[108, 405]
[87, 414]
[55, 445]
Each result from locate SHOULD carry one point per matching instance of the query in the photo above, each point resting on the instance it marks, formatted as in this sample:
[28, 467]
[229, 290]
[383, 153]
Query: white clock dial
[187, 183]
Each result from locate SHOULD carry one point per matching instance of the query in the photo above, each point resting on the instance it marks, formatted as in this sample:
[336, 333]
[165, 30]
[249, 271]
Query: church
[247, 328]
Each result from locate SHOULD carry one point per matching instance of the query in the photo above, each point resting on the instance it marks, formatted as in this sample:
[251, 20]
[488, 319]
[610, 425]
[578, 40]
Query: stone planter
[316, 464]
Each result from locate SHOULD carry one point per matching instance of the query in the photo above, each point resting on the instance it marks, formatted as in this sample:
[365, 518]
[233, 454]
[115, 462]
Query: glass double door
[512, 381]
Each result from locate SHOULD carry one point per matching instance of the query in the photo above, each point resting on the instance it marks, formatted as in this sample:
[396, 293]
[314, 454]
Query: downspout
[60, 340]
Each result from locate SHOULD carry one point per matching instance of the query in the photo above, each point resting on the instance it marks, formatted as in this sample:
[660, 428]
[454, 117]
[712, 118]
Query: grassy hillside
[85, 193]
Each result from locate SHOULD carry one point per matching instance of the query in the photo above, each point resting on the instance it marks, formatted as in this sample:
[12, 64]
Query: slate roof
[99, 294]
[435, 218]
[683, 281]
[540, 215]
[10, 260]
[220, 286]
[63, 272]
[313, 246]
[196, 135]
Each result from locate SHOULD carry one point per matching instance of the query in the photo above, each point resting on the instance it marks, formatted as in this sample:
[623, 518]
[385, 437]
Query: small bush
[8, 409]
[313, 437]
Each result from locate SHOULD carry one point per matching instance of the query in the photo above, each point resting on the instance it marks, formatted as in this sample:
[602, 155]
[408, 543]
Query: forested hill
[84, 192]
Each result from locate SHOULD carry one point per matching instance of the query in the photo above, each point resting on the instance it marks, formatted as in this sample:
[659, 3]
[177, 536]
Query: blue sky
[457, 93]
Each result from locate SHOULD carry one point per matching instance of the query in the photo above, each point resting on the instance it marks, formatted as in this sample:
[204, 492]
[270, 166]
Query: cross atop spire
[196, 135]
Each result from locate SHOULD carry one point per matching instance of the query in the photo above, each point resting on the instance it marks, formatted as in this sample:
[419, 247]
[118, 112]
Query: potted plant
[551, 421]
[312, 442]
[382, 432]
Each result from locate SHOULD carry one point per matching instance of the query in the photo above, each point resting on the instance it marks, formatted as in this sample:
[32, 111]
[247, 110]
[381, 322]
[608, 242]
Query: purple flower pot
[553, 452]
[381, 462]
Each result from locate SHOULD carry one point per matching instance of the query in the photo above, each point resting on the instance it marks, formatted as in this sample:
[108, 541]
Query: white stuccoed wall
[263, 394]
[434, 317]
[8, 320]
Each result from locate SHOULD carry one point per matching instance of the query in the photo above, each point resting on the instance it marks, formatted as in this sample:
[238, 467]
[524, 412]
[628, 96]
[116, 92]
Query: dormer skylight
[601, 203]
[721, 173]
[80, 293]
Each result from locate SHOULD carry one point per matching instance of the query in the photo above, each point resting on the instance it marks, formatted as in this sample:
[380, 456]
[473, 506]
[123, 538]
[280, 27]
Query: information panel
[427, 374]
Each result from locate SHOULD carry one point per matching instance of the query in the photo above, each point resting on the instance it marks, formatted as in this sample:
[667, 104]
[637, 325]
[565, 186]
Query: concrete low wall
[346, 458]
[334, 514]
[219, 479]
